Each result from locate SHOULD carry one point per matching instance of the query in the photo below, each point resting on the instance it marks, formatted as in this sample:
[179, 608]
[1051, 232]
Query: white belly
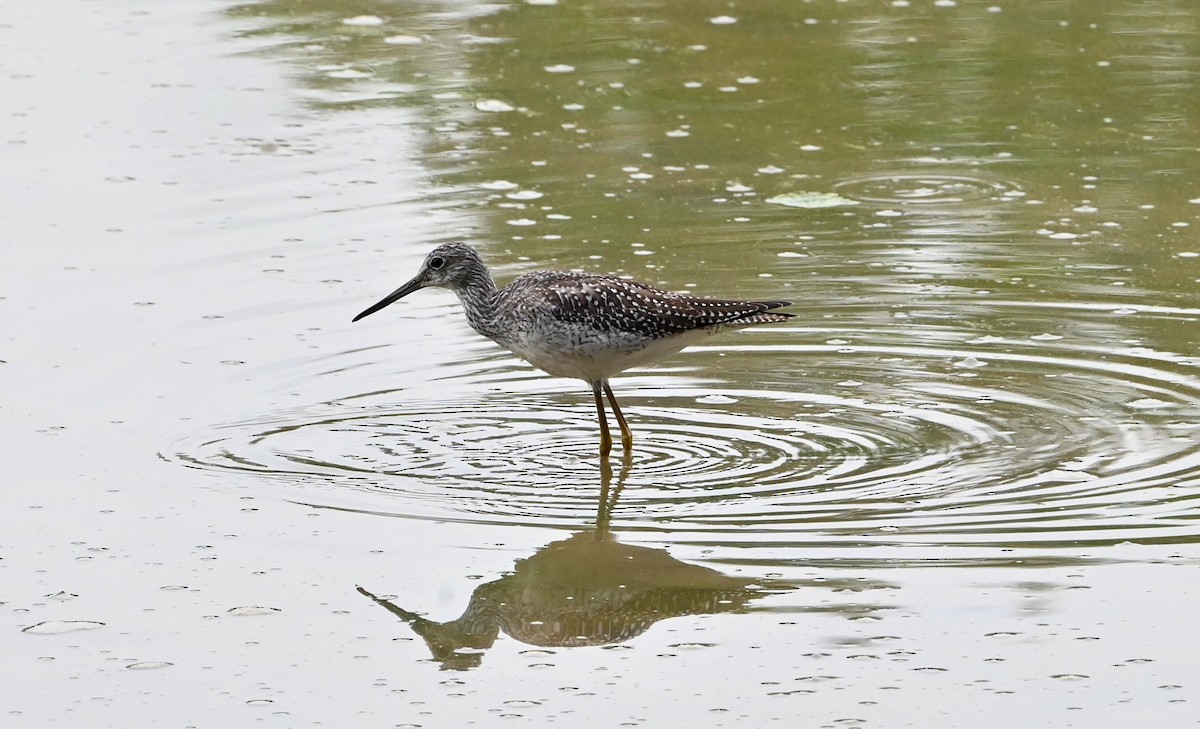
[581, 354]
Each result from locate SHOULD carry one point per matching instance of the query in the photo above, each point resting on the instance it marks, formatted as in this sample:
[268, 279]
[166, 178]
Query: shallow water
[966, 476]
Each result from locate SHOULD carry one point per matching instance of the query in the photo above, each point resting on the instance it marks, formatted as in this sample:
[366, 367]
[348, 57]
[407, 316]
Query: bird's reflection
[587, 589]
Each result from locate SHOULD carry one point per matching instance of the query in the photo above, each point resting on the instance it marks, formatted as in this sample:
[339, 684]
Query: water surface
[965, 476]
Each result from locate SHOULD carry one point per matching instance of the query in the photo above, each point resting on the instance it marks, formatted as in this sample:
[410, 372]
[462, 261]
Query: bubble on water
[363, 20]
[1148, 403]
[253, 610]
[970, 362]
[811, 200]
[53, 627]
[148, 665]
[494, 106]
[403, 40]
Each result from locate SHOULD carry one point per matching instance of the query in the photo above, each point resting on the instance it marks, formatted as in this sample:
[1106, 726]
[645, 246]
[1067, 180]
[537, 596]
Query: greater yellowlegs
[580, 325]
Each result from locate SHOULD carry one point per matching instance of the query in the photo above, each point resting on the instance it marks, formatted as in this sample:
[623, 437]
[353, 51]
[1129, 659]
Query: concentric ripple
[975, 444]
[929, 189]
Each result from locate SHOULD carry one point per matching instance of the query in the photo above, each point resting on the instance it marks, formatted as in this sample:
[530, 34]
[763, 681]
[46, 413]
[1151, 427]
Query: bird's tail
[764, 315]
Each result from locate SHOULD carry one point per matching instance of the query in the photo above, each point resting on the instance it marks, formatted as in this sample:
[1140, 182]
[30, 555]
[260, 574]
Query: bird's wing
[616, 304]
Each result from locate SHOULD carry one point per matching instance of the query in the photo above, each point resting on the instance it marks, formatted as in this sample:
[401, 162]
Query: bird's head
[450, 265]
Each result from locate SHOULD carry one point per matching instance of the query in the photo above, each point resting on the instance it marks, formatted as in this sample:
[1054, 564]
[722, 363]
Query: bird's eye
[436, 263]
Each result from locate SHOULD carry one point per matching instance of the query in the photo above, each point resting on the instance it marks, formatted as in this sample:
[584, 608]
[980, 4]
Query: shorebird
[581, 325]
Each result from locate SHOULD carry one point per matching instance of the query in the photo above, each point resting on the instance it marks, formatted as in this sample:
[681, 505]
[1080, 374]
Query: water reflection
[586, 590]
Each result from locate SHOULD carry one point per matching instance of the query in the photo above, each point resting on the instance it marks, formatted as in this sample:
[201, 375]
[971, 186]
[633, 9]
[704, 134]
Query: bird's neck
[478, 296]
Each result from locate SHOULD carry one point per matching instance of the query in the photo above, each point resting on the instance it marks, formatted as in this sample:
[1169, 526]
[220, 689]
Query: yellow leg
[626, 433]
[605, 438]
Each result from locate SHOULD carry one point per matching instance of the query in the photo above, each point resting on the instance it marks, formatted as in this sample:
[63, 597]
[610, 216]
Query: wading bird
[580, 325]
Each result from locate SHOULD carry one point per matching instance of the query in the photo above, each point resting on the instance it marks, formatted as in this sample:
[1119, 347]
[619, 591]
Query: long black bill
[391, 298]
